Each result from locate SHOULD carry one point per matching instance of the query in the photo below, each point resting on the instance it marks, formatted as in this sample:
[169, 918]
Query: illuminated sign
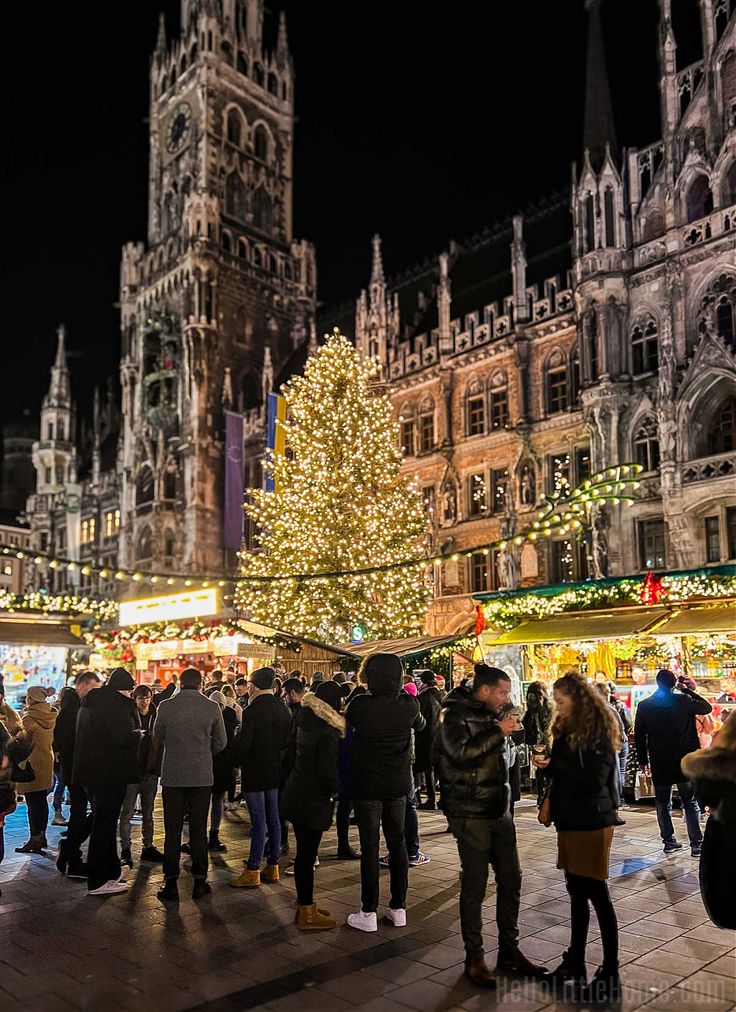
[192, 604]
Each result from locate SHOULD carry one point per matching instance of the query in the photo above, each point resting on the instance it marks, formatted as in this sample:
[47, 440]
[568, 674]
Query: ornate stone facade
[217, 302]
[547, 348]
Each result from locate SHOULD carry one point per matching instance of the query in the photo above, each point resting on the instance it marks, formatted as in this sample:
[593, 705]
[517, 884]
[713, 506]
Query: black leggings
[307, 845]
[38, 812]
[582, 892]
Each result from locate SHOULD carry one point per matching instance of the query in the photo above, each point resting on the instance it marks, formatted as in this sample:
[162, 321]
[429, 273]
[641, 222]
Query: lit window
[476, 416]
[499, 484]
[644, 348]
[480, 572]
[712, 540]
[646, 445]
[499, 408]
[407, 436]
[652, 544]
[562, 561]
[426, 432]
[558, 469]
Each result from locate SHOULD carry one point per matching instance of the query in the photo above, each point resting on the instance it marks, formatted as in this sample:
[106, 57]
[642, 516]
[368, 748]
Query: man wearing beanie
[471, 762]
[262, 745]
[188, 731]
[382, 719]
[105, 762]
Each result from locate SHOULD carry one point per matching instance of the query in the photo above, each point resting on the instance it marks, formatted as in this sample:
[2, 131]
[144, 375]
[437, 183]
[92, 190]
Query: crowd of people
[300, 757]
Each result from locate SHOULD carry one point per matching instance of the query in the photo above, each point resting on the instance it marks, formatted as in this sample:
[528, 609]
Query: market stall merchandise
[36, 651]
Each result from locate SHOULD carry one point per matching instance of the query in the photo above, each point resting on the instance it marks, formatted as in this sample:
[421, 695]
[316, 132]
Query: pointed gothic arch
[262, 209]
[262, 142]
[698, 198]
[235, 196]
[235, 127]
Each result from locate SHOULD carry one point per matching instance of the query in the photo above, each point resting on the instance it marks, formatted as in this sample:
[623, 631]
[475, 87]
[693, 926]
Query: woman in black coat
[584, 800]
[308, 800]
[430, 706]
[713, 771]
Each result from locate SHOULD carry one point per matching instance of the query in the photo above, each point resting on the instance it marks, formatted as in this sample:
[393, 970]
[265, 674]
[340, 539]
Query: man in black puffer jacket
[475, 795]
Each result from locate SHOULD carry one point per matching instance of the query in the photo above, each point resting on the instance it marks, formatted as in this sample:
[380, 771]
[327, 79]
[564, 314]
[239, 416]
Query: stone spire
[60, 393]
[518, 271]
[598, 127]
[282, 43]
[377, 277]
[161, 38]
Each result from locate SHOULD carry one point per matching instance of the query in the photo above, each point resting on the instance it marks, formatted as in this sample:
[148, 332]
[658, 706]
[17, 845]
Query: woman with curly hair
[583, 803]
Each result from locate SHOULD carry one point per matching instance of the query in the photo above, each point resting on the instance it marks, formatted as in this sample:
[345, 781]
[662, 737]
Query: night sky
[421, 126]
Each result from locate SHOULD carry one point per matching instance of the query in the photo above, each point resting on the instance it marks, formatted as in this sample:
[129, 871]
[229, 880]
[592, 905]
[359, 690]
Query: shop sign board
[169, 607]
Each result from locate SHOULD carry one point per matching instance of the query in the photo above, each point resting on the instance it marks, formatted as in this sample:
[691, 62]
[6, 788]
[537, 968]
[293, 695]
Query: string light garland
[509, 612]
[59, 604]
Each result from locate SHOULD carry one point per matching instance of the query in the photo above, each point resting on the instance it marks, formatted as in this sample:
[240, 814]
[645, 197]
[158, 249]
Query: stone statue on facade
[527, 484]
[598, 542]
[449, 503]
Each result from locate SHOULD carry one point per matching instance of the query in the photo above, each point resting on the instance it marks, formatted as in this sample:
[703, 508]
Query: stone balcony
[722, 465]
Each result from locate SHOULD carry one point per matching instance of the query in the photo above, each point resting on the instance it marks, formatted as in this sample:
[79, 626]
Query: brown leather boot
[247, 879]
[479, 973]
[515, 964]
[311, 919]
[270, 873]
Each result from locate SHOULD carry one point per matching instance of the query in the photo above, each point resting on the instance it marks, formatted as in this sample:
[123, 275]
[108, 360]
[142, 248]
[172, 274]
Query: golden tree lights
[340, 504]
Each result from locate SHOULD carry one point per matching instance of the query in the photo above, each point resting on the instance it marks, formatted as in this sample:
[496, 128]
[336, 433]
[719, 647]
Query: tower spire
[282, 43]
[60, 389]
[598, 128]
[161, 39]
[377, 277]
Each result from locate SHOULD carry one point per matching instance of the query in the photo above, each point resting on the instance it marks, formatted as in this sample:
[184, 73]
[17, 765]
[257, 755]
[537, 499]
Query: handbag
[22, 774]
[544, 815]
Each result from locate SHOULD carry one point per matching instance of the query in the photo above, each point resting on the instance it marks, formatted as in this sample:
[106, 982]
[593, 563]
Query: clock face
[178, 127]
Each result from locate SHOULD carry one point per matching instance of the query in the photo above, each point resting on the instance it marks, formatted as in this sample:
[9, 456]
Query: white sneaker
[397, 917]
[363, 922]
[108, 889]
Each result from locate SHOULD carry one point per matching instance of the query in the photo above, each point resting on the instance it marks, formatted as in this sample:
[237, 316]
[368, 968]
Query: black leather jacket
[470, 759]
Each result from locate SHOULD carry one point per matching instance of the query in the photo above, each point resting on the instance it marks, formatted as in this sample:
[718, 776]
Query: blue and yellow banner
[276, 433]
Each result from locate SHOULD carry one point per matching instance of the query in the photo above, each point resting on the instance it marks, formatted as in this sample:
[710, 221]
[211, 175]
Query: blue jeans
[263, 808]
[691, 811]
[58, 792]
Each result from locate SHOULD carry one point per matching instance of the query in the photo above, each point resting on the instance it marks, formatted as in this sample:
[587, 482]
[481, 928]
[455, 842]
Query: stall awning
[614, 624]
[406, 648]
[700, 620]
[39, 634]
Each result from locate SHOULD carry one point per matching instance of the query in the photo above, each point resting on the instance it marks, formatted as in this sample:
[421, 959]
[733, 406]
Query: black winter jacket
[665, 732]
[470, 759]
[262, 743]
[225, 762]
[107, 740]
[383, 719]
[430, 705]
[308, 798]
[65, 733]
[585, 786]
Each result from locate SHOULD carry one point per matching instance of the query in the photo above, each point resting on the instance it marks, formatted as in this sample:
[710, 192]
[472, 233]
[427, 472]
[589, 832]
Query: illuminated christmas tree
[340, 503]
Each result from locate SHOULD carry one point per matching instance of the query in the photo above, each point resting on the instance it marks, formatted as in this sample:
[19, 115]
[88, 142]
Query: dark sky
[421, 121]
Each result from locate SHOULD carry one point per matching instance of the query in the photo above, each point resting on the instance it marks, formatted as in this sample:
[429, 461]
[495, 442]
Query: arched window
[646, 445]
[644, 347]
[718, 309]
[273, 84]
[261, 210]
[144, 487]
[235, 196]
[172, 79]
[722, 12]
[273, 264]
[226, 242]
[227, 53]
[699, 199]
[144, 545]
[242, 64]
[475, 409]
[589, 224]
[250, 391]
[499, 402]
[722, 435]
[170, 485]
[257, 257]
[260, 142]
[258, 74]
[575, 377]
[235, 127]
[609, 217]
[183, 64]
[242, 249]
[556, 383]
[591, 342]
[193, 53]
[728, 186]
[169, 545]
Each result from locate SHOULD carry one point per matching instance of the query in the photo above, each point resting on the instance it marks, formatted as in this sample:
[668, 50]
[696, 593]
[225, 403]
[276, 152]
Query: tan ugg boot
[311, 919]
[247, 879]
[270, 873]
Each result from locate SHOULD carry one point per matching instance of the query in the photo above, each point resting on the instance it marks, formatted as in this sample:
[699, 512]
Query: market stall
[35, 650]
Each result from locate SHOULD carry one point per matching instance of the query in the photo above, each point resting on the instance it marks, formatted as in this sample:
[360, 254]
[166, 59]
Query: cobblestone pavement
[61, 950]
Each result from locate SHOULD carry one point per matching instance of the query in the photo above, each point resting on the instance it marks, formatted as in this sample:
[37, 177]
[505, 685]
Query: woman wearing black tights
[308, 800]
[584, 800]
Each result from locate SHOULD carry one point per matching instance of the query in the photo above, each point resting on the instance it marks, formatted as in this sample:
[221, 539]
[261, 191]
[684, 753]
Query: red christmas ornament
[480, 619]
[652, 590]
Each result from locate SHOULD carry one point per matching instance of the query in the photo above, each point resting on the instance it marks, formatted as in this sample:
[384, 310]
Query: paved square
[62, 950]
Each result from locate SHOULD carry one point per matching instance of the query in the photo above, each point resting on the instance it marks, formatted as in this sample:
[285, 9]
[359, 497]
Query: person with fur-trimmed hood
[713, 772]
[308, 800]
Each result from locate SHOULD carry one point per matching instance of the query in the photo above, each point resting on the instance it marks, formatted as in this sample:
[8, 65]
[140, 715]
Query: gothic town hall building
[214, 307]
[596, 330]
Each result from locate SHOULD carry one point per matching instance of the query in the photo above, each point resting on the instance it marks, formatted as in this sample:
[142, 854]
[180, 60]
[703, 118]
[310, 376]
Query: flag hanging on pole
[276, 433]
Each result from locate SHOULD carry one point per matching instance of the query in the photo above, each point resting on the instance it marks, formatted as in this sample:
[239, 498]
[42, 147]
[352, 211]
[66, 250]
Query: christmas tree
[340, 503]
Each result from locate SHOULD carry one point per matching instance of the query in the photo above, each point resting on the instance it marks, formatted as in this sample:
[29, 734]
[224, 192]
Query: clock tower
[221, 295]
